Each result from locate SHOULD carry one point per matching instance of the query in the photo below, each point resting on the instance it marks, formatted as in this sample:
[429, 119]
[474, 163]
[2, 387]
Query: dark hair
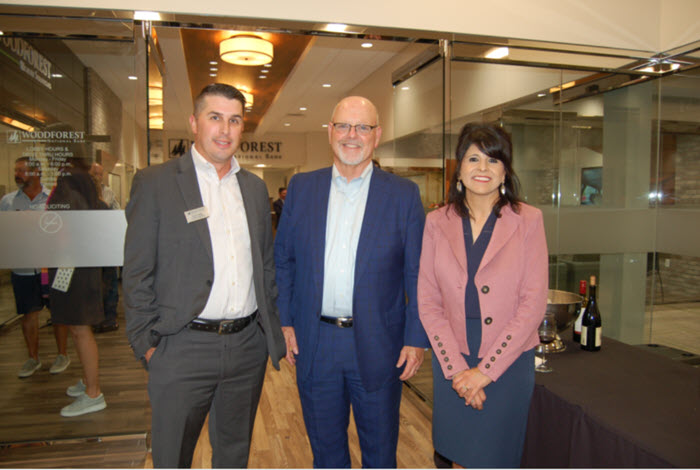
[496, 143]
[218, 89]
[32, 163]
[279, 191]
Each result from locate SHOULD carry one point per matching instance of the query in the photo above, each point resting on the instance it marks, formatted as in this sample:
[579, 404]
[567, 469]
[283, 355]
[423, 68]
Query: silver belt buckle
[223, 324]
[342, 322]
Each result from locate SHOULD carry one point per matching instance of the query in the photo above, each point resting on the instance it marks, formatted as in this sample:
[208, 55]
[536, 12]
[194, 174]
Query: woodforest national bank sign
[28, 59]
[272, 150]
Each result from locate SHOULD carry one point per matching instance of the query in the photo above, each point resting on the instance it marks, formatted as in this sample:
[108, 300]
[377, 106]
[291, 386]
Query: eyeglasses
[343, 128]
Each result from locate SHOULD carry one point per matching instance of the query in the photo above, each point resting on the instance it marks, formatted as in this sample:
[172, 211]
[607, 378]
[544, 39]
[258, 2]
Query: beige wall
[655, 25]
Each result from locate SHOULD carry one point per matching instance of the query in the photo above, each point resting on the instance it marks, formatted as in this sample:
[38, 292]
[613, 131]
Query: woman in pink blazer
[482, 292]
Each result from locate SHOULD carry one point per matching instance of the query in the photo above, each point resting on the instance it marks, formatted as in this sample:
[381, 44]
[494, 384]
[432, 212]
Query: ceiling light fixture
[17, 124]
[497, 53]
[213, 62]
[326, 85]
[286, 124]
[267, 65]
[246, 49]
[367, 45]
[133, 77]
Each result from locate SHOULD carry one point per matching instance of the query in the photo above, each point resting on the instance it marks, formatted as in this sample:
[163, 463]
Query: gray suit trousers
[192, 373]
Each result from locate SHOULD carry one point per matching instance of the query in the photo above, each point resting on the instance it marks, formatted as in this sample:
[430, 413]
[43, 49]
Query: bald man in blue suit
[346, 254]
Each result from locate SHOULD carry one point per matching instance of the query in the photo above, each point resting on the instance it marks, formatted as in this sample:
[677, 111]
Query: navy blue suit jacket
[385, 309]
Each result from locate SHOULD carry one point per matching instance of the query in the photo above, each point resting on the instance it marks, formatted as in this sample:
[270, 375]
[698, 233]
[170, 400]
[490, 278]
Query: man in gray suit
[199, 288]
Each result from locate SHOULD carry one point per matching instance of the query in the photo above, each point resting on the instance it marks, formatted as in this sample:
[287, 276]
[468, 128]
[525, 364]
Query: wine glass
[548, 333]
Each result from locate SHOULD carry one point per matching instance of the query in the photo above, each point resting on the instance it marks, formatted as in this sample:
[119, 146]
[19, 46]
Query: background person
[347, 254]
[199, 288]
[80, 304]
[110, 274]
[278, 205]
[26, 283]
[482, 293]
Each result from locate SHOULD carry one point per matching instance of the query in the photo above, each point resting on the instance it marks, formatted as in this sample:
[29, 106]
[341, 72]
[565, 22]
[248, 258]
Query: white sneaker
[60, 364]
[84, 405]
[30, 366]
[76, 390]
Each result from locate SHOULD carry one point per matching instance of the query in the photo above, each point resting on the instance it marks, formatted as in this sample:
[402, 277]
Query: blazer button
[449, 367]
[504, 344]
[509, 337]
[209, 282]
[488, 320]
[439, 345]
[485, 289]
[442, 352]
[498, 351]
[436, 337]
[488, 366]
[447, 359]
[493, 359]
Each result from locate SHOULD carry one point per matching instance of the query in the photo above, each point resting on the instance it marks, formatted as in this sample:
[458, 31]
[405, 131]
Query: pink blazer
[512, 282]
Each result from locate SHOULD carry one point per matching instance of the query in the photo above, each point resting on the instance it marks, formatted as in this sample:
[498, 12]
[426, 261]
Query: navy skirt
[494, 436]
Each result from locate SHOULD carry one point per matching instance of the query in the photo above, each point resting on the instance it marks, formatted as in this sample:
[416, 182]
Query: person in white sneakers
[26, 282]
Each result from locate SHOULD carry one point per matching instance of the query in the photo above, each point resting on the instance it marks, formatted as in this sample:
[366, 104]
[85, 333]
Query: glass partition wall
[73, 101]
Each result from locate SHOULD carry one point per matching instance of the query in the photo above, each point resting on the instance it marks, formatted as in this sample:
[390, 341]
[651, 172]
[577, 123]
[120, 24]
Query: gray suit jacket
[168, 263]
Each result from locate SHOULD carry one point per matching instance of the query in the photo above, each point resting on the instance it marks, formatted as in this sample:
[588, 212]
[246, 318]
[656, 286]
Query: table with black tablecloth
[622, 406]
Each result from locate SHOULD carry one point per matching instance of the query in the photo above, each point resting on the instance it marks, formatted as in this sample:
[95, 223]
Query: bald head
[357, 102]
[97, 172]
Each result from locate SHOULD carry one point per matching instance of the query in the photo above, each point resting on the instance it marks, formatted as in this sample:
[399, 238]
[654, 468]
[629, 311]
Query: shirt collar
[341, 179]
[201, 164]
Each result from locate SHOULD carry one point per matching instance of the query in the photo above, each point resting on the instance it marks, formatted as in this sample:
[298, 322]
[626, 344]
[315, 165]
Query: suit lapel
[318, 233]
[375, 207]
[189, 187]
[502, 232]
[243, 178]
[451, 226]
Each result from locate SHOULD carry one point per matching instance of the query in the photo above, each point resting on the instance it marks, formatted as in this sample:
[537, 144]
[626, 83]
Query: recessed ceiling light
[212, 75]
[540, 95]
[133, 77]
[286, 124]
[405, 88]
[267, 65]
[262, 76]
[367, 45]
[213, 62]
[264, 71]
[1, 33]
[56, 75]
[302, 108]
[147, 15]
[326, 85]
[213, 69]
[260, 165]
[336, 27]
[324, 125]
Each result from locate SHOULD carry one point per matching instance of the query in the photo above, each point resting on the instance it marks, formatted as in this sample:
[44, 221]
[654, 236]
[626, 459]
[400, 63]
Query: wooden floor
[34, 435]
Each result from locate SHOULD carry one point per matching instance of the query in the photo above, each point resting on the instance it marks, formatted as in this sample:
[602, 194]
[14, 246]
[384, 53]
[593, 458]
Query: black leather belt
[341, 322]
[222, 327]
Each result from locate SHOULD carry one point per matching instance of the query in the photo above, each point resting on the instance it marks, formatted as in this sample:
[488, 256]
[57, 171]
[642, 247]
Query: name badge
[196, 214]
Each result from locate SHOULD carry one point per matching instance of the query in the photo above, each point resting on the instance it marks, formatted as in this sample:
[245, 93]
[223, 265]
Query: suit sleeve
[414, 334]
[532, 304]
[432, 309]
[140, 255]
[285, 258]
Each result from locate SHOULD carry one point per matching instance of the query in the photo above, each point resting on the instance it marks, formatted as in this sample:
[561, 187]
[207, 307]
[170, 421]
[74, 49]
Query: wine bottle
[577, 324]
[591, 323]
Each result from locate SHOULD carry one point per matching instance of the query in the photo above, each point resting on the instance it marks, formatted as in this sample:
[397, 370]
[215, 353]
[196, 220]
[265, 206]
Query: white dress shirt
[346, 210]
[232, 293]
